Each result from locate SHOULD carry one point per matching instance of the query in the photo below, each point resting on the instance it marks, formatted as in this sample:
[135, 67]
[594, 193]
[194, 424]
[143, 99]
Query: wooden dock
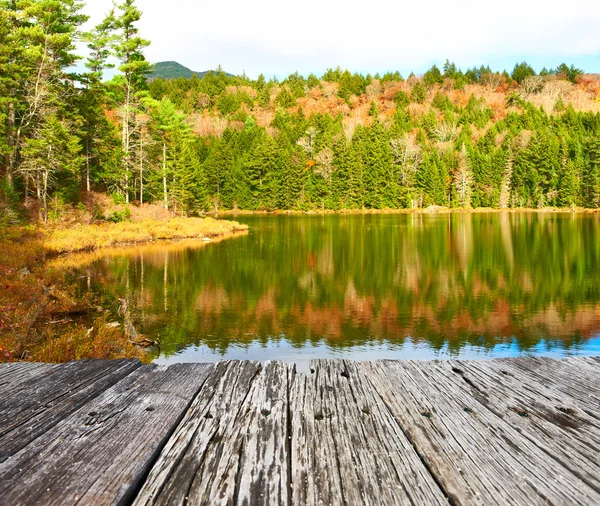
[512, 431]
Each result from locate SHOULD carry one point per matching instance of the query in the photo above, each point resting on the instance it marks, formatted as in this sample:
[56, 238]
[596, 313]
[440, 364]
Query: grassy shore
[95, 236]
[41, 318]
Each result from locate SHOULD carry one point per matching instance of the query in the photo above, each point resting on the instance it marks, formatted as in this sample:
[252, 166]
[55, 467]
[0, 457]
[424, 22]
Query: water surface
[424, 286]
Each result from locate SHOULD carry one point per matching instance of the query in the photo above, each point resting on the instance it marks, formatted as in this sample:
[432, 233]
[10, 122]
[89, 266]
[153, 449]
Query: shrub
[119, 216]
[10, 213]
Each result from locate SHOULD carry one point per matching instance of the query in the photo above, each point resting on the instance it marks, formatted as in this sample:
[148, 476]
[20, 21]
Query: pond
[419, 286]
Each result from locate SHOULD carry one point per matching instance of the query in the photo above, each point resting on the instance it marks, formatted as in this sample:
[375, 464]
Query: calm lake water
[368, 286]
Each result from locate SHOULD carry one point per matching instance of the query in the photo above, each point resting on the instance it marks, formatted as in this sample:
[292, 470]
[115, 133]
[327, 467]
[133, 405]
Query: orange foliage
[324, 99]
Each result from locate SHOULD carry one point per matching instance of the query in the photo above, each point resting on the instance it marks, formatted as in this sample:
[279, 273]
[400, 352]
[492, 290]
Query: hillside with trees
[451, 137]
[172, 70]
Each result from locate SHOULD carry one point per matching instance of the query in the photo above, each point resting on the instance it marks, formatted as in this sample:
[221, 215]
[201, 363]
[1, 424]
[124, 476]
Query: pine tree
[129, 49]
[463, 179]
[45, 125]
[505, 187]
[94, 98]
[592, 180]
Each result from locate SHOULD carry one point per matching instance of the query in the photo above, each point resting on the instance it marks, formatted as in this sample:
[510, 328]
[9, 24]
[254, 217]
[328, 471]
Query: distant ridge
[173, 70]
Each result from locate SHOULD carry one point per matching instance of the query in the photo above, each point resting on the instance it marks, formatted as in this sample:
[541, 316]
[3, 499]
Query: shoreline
[93, 237]
[426, 210]
[43, 318]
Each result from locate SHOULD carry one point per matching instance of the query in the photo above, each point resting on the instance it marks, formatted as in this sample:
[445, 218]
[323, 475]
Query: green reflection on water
[444, 280]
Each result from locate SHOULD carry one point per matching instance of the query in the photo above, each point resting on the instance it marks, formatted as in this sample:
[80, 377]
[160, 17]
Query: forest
[450, 137]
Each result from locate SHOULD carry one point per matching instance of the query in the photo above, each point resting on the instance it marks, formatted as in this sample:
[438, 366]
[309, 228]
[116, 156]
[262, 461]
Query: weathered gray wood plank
[39, 402]
[346, 446]
[476, 456]
[578, 378]
[214, 455]
[263, 470]
[100, 454]
[553, 421]
[14, 373]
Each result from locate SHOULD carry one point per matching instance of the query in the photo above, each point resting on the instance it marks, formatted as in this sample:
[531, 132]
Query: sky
[279, 37]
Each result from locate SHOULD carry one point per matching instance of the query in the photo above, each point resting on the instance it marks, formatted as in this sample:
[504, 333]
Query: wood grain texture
[12, 374]
[232, 447]
[100, 454]
[577, 377]
[476, 456]
[347, 447]
[201, 462]
[553, 421]
[510, 431]
[35, 405]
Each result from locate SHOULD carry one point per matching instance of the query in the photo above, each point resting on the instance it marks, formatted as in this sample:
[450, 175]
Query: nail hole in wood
[468, 410]
[265, 412]
[506, 373]
[345, 374]
[208, 416]
[426, 413]
[319, 417]
[150, 408]
[92, 413]
[366, 410]
[521, 412]
[566, 411]
[312, 371]
[457, 370]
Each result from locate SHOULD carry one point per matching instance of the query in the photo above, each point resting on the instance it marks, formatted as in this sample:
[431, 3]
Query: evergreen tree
[129, 49]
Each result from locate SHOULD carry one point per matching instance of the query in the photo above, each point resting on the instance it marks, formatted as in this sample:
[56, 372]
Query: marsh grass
[42, 317]
[95, 236]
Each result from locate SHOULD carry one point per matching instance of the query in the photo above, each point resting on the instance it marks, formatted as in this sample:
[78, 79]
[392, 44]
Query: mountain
[173, 70]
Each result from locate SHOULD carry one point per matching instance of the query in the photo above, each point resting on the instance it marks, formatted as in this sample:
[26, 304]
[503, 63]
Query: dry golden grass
[94, 236]
[77, 260]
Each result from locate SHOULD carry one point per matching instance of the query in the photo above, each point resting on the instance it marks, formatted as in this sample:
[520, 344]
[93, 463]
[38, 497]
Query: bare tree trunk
[126, 138]
[87, 164]
[45, 194]
[38, 188]
[11, 154]
[165, 193]
[141, 170]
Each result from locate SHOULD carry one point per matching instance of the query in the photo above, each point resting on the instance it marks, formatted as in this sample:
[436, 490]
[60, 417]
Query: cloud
[276, 37]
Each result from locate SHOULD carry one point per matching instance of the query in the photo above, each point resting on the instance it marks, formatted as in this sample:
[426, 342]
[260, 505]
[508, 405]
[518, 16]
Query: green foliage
[570, 73]
[402, 99]
[285, 98]
[433, 76]
[228, 103]
[419, 93]
[522, 71]
[10, 212]
[442, 102]
[119, 216]
[373, 111]
[200, 142]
